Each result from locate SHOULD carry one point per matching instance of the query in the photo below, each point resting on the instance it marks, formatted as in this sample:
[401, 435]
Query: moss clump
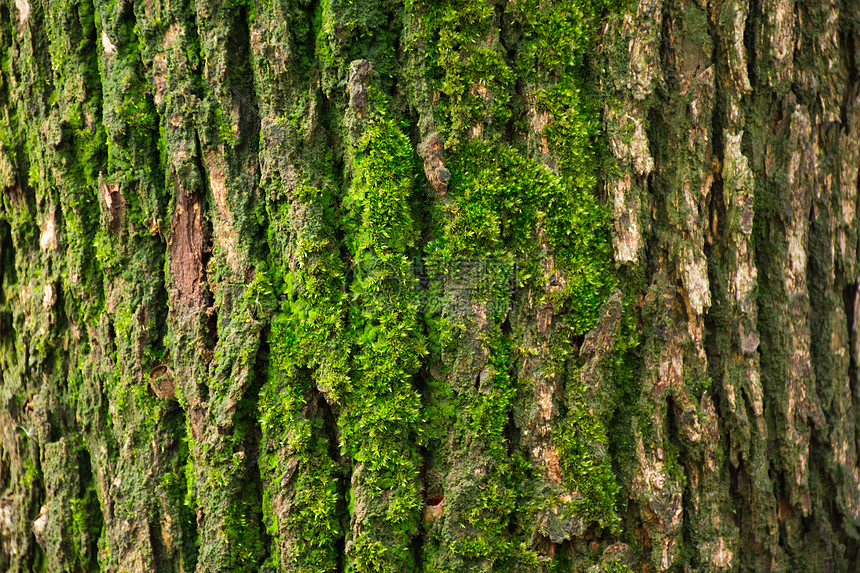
[524, 160]
[348, 30]
[495, 519]
[303, 478]
[298, 446]
[463, 60]
[381, 414]
[614, 566]
[581, 439]
[503, 204]
[553, 50]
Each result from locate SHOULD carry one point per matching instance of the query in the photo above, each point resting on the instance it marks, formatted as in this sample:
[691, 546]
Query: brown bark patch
[114, 204]
[162, 383]
[187, 244]
[225, 232]
[23, 11]
[433, 508]
[434, 167]
[48, 235]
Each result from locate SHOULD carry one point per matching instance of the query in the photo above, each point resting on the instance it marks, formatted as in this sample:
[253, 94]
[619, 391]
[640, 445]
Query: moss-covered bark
[472, 285]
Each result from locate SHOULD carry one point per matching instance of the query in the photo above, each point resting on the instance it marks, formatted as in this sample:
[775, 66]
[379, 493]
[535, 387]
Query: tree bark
[456, 285]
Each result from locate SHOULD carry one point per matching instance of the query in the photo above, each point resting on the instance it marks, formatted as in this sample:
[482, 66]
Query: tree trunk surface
[429, 285]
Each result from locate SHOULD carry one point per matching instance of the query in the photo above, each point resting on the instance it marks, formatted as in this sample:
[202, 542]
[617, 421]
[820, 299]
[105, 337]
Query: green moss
[305, 275]
[581, 440]
[32, 475]
[628, 412]
[357, 352]
[309, 329]
[86, 526]
[463, 60]
[348, 30]
[289, 424]
[503, 204]
[308, 340]
[381, 414]
[503, 495]
[532, 201]
[177, 483]
[615, 566]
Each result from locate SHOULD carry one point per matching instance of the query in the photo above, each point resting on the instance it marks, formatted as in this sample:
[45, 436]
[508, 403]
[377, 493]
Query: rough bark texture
[448, 285]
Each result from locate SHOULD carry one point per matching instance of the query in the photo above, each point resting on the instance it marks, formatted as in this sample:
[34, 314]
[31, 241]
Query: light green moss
[381, 414]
